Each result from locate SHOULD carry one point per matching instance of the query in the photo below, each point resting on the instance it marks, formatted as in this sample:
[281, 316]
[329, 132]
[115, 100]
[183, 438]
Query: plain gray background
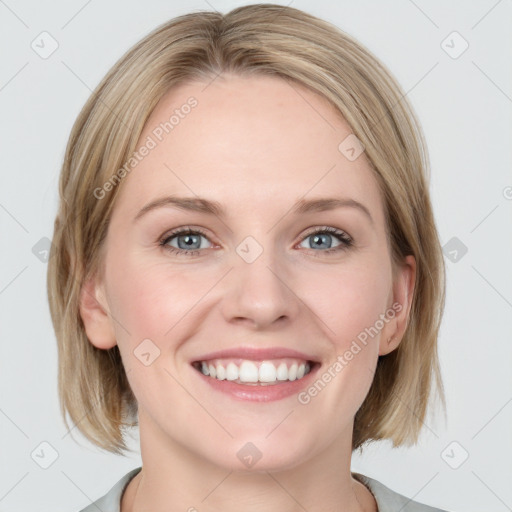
[464, 103]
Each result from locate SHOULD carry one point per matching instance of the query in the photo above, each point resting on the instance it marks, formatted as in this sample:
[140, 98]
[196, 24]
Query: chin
[257, 454]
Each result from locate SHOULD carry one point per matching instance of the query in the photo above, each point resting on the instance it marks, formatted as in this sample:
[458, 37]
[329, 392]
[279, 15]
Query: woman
[246, 266]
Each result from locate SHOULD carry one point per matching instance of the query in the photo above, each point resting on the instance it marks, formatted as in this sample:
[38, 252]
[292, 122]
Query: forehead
[258, 141]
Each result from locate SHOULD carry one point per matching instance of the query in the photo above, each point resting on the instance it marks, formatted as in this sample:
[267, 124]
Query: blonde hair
[252, 40]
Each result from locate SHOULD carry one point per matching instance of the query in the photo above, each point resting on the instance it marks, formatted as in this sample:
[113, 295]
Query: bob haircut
[259, 39]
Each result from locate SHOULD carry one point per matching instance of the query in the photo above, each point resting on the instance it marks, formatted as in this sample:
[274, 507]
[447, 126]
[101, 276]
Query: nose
[259, 294]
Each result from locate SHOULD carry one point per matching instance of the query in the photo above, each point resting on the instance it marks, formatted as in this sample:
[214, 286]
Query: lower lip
[260, 393]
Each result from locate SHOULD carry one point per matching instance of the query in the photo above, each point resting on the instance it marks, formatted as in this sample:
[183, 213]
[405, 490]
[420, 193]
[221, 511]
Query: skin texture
[256, 145]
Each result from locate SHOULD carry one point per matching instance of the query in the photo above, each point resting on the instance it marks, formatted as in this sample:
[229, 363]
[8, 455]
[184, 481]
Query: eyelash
[346, 241]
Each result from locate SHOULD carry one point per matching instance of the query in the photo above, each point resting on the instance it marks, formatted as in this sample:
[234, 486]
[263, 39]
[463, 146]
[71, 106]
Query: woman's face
[252, 293]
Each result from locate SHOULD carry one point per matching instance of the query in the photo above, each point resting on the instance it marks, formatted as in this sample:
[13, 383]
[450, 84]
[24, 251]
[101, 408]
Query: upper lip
[255, 354]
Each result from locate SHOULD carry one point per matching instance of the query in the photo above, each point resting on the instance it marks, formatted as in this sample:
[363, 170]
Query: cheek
[151, 302]
[350, 300]
[151, 298]
[353, 300]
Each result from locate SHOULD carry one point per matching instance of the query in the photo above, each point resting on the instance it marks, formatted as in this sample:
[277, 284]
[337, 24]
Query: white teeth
[248, 372]
[232, 371]
[267, 372]
[282, 372]
[221, 372]
[252, 372]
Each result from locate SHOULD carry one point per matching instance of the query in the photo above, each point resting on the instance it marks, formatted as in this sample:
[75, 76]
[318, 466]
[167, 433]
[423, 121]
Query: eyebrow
[201, 205]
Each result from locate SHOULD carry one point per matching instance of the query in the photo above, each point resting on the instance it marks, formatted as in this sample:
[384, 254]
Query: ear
[403, 292]
[95, 315]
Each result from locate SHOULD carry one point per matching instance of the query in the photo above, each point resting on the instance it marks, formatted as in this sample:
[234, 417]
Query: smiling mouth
[255, 373]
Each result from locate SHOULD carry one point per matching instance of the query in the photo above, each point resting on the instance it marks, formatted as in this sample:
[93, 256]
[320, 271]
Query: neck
[174, 478]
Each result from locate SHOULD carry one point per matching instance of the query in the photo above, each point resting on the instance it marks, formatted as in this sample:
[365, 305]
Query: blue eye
[189, 241]
[322, 238]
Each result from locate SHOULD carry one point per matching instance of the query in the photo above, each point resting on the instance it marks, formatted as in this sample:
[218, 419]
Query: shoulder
[111, 502]
[390, 501]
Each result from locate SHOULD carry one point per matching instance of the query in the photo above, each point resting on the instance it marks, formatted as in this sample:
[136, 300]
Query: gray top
[387, 500]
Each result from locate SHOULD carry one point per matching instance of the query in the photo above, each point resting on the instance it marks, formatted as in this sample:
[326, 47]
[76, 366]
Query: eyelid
[328, 229]
[183, 230]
